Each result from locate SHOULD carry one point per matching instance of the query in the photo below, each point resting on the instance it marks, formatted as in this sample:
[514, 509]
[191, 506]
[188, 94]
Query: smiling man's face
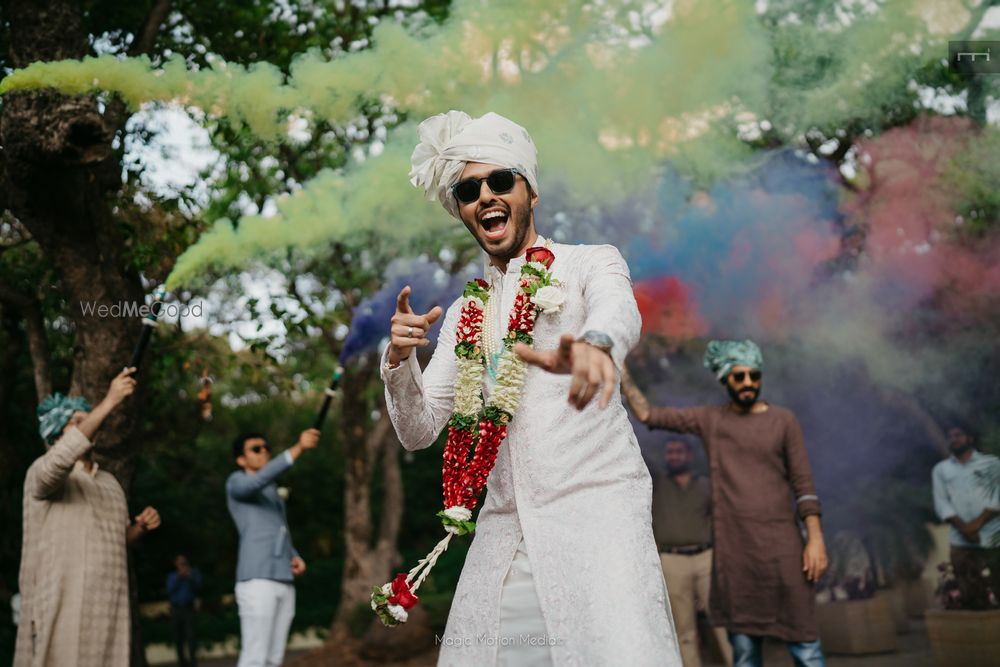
[502, 223]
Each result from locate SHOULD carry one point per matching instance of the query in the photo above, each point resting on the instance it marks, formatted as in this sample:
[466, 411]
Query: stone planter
[855, 627]
[964, 638]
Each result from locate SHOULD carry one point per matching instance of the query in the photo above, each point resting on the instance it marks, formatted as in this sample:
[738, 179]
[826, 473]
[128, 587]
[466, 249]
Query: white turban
[448, 141]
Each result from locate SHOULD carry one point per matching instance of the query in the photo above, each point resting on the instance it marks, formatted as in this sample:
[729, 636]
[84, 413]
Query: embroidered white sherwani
[572, 484]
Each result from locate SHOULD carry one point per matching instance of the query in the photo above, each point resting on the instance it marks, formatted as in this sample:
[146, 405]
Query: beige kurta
[74, 578]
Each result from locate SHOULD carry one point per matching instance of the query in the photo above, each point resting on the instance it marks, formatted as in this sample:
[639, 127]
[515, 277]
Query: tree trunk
[368, 558]
[61, 176]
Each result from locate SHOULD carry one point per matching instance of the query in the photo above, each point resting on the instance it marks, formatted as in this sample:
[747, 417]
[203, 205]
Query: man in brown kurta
[763, 575]
[74, 577]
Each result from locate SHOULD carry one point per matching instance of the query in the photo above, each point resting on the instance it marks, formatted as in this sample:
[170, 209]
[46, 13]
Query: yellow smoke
[606, 97]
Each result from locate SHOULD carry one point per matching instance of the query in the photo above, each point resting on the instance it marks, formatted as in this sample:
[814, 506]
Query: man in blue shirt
[268, 563]
[965, 497]
[183, 585]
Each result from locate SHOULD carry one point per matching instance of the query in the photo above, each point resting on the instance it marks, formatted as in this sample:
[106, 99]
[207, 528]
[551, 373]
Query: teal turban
[54, 413]
[722, 355]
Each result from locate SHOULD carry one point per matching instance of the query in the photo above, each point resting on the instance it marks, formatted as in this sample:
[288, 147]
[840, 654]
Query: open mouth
[494, 222]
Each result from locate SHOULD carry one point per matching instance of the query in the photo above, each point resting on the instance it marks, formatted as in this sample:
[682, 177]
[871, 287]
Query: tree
[74, 231]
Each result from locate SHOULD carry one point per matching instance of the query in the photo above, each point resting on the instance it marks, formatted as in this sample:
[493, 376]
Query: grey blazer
[266, 547]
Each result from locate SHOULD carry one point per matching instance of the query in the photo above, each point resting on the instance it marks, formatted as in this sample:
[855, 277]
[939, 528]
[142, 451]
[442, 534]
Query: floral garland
[474, 425]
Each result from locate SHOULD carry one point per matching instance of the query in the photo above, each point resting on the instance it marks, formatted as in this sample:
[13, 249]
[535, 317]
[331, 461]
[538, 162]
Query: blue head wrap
[722, 355]
[54, 413]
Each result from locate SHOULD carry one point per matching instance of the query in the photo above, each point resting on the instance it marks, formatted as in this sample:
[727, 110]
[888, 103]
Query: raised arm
[243, 486]
[420, 403]
[634, 396]
[48, 474]
[678, 420]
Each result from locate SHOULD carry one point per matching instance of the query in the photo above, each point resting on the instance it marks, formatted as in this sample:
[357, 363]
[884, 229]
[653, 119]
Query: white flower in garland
[468, 382]
[398, 613]
[458, 513]
[549, 298]
[510, 379]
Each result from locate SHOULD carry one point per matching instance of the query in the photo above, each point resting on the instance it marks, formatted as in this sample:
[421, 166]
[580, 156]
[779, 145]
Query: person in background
[682, 526]
[763, 572]
[268, 563]
[183, 585]
[965, 498]
[74, 572]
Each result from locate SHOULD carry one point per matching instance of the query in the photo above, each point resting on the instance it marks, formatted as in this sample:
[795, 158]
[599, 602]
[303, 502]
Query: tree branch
[145, 39]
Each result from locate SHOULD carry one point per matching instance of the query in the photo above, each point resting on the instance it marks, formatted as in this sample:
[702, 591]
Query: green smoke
[607, 98]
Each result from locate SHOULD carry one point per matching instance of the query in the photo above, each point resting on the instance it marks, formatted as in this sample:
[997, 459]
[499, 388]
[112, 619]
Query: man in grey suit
[268, 563]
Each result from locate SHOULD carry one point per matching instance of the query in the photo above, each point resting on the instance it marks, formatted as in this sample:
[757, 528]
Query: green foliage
[974, 174]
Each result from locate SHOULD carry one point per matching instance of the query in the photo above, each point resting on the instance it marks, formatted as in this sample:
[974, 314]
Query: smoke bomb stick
[330, 392]
[148, 323]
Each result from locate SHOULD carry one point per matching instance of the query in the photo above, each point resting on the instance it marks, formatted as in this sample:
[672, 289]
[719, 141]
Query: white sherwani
[572, 484]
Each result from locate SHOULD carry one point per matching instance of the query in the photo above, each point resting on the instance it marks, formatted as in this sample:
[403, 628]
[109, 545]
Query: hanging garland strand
[476, 426]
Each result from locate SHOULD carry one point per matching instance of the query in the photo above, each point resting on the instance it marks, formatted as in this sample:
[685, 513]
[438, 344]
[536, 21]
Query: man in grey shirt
[682, 526]
[268, 563]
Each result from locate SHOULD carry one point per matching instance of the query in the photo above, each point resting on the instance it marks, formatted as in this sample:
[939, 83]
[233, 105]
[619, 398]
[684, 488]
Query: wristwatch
[598, 339]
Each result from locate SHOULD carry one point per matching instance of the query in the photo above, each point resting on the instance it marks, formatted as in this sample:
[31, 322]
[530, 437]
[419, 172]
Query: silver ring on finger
[409, 332]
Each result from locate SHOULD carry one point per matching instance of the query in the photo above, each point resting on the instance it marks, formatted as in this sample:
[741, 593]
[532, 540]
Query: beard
[959, 450]
[520, 218]
[678, 469]
[743, 401]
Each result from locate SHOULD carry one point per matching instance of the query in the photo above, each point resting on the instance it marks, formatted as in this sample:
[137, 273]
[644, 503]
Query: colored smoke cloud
[608, 90]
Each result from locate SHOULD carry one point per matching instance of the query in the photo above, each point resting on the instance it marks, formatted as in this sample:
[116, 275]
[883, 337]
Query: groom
[563, 569]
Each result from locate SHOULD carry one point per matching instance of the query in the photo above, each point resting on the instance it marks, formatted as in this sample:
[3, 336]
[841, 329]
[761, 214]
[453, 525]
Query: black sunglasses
[499, 181]
[740, 376]
[256, 449]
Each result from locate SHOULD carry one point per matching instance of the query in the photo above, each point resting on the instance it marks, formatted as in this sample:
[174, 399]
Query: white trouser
[523, 639]
[266, 611]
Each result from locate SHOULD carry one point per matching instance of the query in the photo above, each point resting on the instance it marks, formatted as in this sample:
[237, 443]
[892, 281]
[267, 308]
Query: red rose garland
[474, 426]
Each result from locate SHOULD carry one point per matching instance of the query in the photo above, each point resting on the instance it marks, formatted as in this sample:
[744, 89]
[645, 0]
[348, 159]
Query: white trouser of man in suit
[266, 611]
